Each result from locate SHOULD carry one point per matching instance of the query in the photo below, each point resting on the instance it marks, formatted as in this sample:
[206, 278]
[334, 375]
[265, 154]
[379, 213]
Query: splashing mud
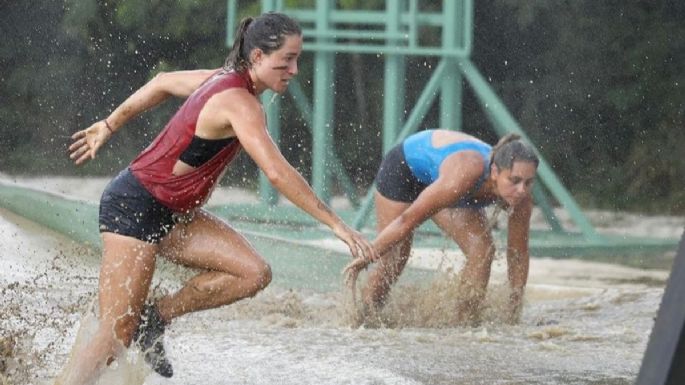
[36, 310]
[571, 332]
[128, 369]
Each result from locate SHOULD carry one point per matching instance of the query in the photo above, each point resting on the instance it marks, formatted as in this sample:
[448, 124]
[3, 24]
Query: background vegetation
[598, 86]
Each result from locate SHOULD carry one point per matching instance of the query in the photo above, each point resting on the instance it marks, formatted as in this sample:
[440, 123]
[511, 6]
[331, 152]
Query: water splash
[128, 369]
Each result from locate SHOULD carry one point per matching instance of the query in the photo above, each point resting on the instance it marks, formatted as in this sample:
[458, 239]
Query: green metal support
[451, 90]
[393, 96]
[394, 32]
[231, 21]
[543, 204]
[305, 108]
[272, 107]
[324, 91]
[504, 123]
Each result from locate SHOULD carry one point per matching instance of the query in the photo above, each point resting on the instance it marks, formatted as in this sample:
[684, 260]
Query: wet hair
[510, 149]
[266, 32]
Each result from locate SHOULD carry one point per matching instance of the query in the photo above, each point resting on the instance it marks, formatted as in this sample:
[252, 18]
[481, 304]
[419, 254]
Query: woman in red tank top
[161, 193]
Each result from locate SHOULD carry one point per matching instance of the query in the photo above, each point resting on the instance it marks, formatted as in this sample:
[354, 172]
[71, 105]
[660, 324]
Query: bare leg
[469, 229]
[125, 275]
[236, 270]
[390, 264]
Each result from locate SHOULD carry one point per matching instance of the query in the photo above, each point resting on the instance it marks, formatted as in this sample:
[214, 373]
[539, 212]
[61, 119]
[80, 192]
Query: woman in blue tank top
[450, 177]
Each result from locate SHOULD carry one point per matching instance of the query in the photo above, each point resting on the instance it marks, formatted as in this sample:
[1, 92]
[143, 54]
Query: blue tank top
[424, 160]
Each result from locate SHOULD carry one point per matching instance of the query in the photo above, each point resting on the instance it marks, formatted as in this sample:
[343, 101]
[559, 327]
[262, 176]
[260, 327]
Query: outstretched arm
[457, 176]
[164, 85]
[240, 110]
[518, 258]
[435, 197]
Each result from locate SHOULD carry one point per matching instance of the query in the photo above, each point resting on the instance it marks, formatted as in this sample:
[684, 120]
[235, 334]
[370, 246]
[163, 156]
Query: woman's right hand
[359, 246]
[87, 142]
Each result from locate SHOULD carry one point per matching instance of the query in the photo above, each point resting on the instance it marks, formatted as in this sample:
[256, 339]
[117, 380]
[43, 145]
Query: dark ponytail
[266, 32]
[236, 60]
[509, 149]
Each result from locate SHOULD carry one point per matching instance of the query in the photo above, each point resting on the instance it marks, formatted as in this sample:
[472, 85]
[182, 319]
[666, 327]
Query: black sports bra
[200, 150]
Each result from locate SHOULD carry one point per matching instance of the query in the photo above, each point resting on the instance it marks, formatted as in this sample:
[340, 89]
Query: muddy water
[570, 333]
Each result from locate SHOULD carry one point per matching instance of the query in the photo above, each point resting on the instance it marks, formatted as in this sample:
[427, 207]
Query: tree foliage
[597, 85]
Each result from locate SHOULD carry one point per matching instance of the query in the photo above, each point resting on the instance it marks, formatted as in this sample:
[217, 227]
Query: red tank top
[153, 167]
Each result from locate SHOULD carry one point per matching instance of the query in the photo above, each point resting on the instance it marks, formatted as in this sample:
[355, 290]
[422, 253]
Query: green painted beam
[324, 91]
[295, 90]
[367, 17]
[412, 21]
[272, 107]
[377, 49]
[543, 204]
[393, 82]
[504, 124]
[355, 34]
[231, 21]
[71, 217]
[468, 27]
[451, 90]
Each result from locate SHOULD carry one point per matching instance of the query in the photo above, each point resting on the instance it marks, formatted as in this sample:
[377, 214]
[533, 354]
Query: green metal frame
[394, 33]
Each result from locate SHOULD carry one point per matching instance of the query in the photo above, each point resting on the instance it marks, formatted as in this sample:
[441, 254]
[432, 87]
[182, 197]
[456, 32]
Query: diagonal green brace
[298, 95]
[504, 124]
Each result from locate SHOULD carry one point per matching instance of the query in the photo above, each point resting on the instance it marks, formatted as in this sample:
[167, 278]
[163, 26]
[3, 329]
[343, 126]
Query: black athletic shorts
[127, 208]
[395, 180]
